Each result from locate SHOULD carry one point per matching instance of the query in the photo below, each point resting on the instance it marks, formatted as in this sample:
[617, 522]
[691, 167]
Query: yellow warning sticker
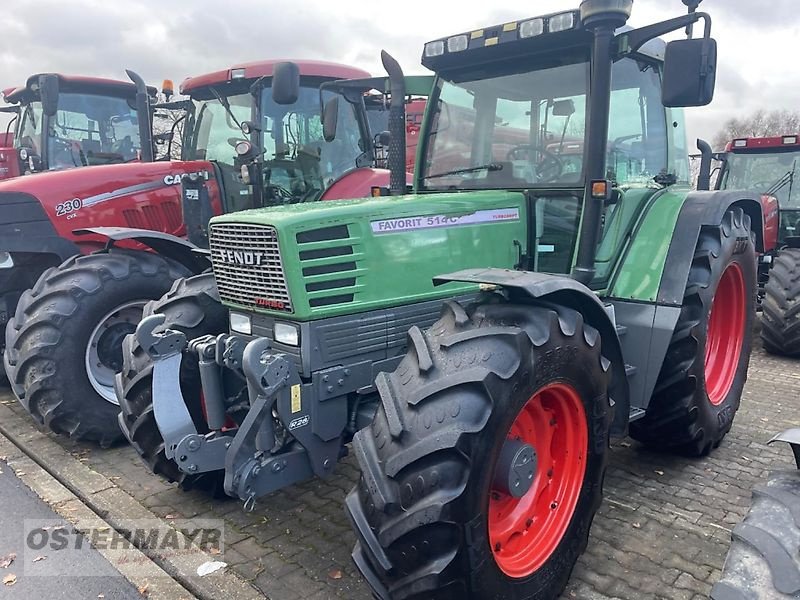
[297, 404]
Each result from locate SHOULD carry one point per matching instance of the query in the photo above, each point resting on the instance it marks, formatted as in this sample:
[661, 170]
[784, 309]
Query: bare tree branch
[760, 123]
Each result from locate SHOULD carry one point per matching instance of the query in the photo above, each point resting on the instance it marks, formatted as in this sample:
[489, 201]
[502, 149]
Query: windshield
[774, 172]
[92, 130]
[299, 163]
[528, 129]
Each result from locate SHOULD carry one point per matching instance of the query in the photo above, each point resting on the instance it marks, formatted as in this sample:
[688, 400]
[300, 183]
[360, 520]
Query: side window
[637, 136]
[217, 132]
[30, 128]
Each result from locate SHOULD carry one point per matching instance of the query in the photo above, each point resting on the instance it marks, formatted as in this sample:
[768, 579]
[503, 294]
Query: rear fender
[703, 209]
[170, 246]
[524, 286]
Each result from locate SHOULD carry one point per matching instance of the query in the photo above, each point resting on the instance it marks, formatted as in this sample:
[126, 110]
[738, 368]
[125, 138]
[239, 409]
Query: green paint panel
[384, 252]
[638, 277]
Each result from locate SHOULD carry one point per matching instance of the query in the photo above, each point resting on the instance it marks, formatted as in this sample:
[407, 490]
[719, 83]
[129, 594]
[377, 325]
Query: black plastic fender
[178, 249]
[702, 208]
[564, 291]
[26, 228]
[791, 437]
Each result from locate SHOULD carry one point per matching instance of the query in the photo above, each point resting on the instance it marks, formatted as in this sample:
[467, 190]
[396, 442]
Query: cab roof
[265, 68]
[74, 83]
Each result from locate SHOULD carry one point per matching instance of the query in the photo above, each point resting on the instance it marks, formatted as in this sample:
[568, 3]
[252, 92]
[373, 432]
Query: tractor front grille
[247, 266]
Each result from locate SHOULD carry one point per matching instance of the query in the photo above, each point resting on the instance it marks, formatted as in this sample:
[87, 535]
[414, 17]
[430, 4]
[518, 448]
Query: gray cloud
[188, 37]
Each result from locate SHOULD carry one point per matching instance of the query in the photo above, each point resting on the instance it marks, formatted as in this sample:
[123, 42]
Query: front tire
[64, 343]
[430, 519]
[700, 384]
[193, 307]
[780, 315]
[763, 561]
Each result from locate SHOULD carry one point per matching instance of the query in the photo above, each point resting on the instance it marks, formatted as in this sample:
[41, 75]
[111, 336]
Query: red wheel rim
[725, 335]
[524, 532]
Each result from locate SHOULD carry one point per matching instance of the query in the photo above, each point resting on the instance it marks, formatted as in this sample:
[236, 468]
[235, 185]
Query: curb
[94, 500]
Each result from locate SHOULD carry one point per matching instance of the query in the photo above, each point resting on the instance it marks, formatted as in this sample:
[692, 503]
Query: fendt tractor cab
[770, 166]
[253, 138]
[63, 122]
[551, 279]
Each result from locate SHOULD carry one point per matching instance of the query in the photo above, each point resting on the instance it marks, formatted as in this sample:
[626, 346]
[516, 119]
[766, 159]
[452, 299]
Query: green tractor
[552, 280]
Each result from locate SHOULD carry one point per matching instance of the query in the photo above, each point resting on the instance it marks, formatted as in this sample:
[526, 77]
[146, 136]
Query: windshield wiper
[226, 105]
[486, 167]
[788, 177]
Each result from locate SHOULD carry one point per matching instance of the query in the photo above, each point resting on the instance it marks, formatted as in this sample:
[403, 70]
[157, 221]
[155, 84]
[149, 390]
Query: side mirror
[285, 83]
[48, 92]
[330, 119]
[563, 108]
[690, 73]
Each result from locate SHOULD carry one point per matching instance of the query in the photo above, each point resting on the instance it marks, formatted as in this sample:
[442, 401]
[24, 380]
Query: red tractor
[83, 250]
[769, 165]
[63, 121]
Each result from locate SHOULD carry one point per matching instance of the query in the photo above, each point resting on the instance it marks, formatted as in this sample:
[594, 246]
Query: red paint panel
[146, 195]
[264, 68]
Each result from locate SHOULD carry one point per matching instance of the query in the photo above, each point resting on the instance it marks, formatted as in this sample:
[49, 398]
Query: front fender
[178, 249]
[562, 290]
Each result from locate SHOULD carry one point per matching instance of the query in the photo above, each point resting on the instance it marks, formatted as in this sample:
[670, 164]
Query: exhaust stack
[397, 125]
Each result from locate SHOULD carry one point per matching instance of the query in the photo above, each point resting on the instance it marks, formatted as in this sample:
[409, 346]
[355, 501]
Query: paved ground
[30, 575]
[662, 532]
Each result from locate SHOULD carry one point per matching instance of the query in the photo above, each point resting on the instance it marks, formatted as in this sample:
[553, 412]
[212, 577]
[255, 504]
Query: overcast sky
[759, 40]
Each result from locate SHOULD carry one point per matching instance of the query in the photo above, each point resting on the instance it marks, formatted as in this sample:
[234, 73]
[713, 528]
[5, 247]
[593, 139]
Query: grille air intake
[247, 266]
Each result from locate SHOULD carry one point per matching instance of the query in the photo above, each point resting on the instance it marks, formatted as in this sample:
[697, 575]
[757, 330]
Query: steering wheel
[278, 193]
[549, 168]
[124, 148]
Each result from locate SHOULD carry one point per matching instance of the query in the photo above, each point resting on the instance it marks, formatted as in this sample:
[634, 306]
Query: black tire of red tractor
[193, 307]
[47, 339]
[680, 417]
[763, 561]
[780, 317]
[420, 508]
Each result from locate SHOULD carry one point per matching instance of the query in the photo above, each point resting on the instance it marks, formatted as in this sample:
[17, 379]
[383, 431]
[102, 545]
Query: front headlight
[287, 333]
[6, 262]
[241, 323]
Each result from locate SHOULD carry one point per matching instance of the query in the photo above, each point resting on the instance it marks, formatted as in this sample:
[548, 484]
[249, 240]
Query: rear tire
[428, 519]
[780, 317]
[65, 339]
[763, 561]
[193, 307]
[700, 384]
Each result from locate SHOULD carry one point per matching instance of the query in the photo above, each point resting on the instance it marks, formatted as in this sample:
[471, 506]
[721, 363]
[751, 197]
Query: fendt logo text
[244, 257]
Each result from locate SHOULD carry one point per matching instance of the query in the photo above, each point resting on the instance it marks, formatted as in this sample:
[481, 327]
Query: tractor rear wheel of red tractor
[700, 384]
[780, 316]
[484, 465]
[193, 307]
[64, 344]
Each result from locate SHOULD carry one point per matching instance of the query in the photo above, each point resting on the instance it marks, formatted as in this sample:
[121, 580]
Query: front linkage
[258, 456]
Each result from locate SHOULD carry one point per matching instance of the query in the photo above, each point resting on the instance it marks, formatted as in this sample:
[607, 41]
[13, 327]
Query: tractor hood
[140, 195]
[309, 261]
